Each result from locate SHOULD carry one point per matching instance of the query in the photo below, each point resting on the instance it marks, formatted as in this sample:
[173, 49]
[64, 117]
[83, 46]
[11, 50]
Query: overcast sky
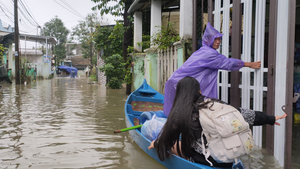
[69, 11]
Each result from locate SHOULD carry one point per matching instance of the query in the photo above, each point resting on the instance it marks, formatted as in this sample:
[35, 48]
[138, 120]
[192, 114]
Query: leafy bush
[114, 70]
[128, 74]
[145, 42]
[93, 77]
[115, 83]
[165, 37]
[2, 48]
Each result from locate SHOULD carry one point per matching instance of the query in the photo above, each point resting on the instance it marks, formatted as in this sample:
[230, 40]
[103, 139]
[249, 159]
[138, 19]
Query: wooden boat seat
[146, 106]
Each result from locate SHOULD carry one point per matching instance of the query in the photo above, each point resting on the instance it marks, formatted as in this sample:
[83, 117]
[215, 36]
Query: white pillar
[46, 47]
[259, 73]
[280, 78]
[186, 19]
[155, 17]
[11, 61]
[25, 48]
[138, 30]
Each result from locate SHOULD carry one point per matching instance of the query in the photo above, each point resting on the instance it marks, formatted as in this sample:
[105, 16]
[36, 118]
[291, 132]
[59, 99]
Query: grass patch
[93, 77]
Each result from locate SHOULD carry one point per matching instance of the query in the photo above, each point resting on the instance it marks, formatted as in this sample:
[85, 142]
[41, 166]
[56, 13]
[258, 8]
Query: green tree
[2, 48]
[114, 70]
[109, 39]
[102, 41]
[55, 28]
[119, 9]
[84, 32]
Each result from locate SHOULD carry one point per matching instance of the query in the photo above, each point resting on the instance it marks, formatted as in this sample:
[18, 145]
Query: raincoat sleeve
[215, 60]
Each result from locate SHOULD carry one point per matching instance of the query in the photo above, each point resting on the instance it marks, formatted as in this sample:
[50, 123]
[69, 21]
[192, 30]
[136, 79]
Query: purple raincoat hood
[210, 35]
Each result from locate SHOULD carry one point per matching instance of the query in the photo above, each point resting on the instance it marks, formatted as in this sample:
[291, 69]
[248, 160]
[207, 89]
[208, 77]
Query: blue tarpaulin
[68, 69]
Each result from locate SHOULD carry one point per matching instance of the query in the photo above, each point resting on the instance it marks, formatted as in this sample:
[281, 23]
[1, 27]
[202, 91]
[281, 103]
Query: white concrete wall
[174, 19]
[35, 59]
[43, 69]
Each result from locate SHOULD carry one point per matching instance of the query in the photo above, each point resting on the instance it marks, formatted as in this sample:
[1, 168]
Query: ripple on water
[68, 123]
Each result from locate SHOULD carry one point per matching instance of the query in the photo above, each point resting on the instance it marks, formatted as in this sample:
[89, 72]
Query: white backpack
[227, 133]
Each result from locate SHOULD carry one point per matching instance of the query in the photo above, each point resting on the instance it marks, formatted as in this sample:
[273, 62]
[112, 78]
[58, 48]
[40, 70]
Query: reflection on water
[69, 123]
[260, 159]
[66, 123]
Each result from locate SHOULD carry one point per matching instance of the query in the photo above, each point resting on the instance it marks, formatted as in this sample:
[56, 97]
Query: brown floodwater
[69, 123]
[66, 123]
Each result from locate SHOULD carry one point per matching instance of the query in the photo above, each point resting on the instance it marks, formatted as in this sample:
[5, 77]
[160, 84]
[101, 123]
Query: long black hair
[186, 103]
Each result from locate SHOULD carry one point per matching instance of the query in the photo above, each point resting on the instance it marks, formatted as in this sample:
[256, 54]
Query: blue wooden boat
[148, 98]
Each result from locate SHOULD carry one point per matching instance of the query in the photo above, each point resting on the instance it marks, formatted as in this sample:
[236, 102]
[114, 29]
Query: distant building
[79, 62]
[39, 60]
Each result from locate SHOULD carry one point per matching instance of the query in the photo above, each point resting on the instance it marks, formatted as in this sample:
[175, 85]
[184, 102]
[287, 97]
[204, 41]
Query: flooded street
[69, 123]
[66, 123]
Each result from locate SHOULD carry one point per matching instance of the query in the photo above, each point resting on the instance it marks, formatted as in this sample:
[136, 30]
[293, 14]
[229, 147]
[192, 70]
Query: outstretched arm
[253, 65]
[258, 118]
[278, 118]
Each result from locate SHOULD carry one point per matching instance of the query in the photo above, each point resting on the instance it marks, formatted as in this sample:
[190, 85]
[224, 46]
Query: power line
[22, 18]
[22, 4]
[6, 14]
[28, 9]
[7, 10]
[66, 3]
[68, 9]
[25, 17]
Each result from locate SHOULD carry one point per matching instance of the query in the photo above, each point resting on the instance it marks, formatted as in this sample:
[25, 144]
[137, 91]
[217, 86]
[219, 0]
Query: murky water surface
[69, 123]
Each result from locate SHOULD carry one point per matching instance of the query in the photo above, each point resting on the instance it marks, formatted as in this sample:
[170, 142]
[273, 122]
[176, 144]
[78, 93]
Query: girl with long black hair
[183, 122]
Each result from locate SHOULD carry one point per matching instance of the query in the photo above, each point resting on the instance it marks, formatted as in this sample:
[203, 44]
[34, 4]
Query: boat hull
[147, 93]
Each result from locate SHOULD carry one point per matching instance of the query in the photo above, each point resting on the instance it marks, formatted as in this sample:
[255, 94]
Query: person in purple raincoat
[203, 65]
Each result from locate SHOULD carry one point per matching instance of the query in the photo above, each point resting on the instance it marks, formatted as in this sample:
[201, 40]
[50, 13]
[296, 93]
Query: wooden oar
[129, 128]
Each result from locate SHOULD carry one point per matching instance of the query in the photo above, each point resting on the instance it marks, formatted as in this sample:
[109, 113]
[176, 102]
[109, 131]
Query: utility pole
[17, 54]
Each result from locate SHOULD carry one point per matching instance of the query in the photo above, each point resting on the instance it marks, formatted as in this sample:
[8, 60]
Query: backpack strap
[205, 153]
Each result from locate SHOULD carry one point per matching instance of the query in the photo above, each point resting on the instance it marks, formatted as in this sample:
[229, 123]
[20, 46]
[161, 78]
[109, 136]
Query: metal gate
[252, 81]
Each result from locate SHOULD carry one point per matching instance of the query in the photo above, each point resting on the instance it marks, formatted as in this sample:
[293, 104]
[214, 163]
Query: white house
[38, 60]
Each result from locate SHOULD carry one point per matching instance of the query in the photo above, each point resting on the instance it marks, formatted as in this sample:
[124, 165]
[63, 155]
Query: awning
[6, 38]
[137, 5]
[37, 38]
[3, 33]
